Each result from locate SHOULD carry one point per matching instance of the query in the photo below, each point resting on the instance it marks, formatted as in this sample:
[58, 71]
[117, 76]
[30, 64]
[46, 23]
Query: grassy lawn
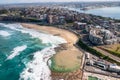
[113, 49]
[92, 78]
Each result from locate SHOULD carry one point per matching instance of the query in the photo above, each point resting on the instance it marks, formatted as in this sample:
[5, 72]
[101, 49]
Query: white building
[102, 36]
[79, 25]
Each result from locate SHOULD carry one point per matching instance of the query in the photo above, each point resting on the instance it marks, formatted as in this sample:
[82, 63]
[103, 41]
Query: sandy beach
[67, 57]
[68, 36]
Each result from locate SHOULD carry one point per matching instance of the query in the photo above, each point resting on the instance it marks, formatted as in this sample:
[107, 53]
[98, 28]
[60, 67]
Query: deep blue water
[113, 12]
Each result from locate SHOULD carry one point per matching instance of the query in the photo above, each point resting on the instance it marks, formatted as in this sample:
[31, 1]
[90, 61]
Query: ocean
[112, 12]
[24, 52]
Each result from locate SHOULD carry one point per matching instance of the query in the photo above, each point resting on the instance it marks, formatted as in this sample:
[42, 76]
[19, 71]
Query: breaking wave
[46, 38]
[36, 69]
[4, 33]
[16, 51]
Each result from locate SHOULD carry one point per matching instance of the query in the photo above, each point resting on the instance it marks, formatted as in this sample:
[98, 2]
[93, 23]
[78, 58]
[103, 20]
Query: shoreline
[54, 31]
[68, 56]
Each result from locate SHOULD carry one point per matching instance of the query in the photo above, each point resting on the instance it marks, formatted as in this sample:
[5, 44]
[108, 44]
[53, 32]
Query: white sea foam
[37, 69]
[46, 38]
[4, 33]
[16, 51]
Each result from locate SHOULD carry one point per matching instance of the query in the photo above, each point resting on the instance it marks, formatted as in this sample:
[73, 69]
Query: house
[79, 25]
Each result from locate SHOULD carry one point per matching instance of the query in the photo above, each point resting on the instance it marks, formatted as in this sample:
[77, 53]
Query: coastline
[105, 11]
[69, 37]
[67, 57]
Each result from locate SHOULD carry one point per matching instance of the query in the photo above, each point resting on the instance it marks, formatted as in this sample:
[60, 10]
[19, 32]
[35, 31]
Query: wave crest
[37, 69]
[16, 51]
[46, 38]
[4, 33]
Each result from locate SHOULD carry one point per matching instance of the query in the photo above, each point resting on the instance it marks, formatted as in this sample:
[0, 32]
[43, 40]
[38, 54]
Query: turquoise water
[113, 12]
[17, 53]
[11, 69]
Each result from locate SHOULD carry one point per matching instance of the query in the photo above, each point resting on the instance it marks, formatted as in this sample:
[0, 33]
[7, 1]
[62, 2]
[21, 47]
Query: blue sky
[30, 1]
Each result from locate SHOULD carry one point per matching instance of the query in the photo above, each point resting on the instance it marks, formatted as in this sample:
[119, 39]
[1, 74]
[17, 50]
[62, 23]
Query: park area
[115, 47]
[93, 78]
[112, 49]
